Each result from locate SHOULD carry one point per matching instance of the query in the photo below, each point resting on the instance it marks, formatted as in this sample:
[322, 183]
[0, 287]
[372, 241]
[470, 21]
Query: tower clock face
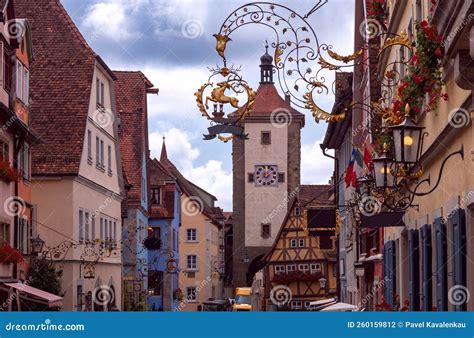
[266, 175]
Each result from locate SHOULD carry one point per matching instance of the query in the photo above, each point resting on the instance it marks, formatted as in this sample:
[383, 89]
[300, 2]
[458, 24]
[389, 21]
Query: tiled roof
[130, 92]
[267, 100]
[60, 86]
[318, 194]
[193, 190]
[159, 175]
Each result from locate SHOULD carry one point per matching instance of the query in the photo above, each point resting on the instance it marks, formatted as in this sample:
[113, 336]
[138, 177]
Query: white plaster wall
[264, 202]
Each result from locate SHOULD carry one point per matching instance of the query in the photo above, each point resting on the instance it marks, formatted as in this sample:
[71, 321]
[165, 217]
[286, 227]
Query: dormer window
[100, 93]
[156, 195]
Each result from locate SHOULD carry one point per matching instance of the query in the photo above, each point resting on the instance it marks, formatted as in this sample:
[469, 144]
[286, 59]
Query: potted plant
[7, 172]
[178, 294]
[9, 255]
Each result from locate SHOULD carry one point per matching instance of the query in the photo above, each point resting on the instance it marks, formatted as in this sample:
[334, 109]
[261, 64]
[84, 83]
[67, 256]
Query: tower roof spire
[164, 154]
[266, 67]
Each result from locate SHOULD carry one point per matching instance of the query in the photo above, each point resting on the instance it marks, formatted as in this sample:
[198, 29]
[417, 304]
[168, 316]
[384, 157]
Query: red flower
[418, 79]
[424, 24]
[438, 52]
[9, 255]
[405, 308]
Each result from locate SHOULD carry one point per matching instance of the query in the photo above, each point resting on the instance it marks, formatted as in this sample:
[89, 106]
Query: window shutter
[413, 269]
[441, 266]
[427, 283]
[458, 224]
[2, 65]
[391, 272]
[385, 271]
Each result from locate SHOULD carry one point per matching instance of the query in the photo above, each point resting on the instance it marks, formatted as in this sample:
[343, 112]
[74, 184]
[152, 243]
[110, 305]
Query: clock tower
[266, 174]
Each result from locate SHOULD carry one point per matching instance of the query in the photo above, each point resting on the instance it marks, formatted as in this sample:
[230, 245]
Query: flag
[350, 174]
[368, 158]
[356, 153]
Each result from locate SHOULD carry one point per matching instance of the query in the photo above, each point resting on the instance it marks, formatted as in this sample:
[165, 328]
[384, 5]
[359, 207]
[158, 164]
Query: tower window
[250, 177]
[297, 211]
[266, 230]
[266, 137]
[281, 177]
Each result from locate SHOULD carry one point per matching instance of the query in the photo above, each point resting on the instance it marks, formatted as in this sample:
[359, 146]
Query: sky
[171, 42]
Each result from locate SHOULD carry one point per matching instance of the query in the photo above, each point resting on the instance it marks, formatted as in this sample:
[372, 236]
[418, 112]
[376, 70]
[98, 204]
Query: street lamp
[383, 173]
[37, 245]
[363, 184]
[322, 283]
[407, 142]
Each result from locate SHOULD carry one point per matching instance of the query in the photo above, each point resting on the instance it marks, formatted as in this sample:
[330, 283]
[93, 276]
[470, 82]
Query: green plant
[424, 74]
[44, 276]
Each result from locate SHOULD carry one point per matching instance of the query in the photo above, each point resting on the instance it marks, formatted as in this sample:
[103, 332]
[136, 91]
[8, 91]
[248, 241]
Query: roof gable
[60, 86]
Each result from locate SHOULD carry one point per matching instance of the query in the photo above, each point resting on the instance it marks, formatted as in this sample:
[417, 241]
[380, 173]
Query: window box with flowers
[7, 172]
[9, 255]
[420, 90]
[296, 276]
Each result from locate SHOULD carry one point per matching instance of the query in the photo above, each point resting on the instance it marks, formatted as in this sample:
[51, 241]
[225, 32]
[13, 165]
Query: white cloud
[110, 20]
[315, 167]
[211, 176]
[178, 146]
[214, 179]
[177, 85]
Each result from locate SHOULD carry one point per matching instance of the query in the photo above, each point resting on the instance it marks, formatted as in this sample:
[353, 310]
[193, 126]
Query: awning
[383, 219]
[36, 295]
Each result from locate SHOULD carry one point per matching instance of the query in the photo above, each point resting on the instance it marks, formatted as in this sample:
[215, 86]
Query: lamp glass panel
[411, 140]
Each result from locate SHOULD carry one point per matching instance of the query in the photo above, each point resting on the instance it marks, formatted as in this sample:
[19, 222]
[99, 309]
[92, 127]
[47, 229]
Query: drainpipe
[336, 203]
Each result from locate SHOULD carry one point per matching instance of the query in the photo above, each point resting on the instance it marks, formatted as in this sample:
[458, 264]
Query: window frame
[267, 234]
[81, 226]
[154, 195]
[192, 299]
[190, 238]
[313, 267]
[193, 266]
[265, 134]
[279, 269]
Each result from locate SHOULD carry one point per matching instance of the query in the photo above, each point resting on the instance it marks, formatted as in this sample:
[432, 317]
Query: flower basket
[9, 255]
[7, 173]
[424, 81]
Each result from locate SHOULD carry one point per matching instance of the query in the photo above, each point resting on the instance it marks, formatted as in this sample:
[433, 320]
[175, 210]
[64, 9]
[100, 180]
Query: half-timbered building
[301, 265]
